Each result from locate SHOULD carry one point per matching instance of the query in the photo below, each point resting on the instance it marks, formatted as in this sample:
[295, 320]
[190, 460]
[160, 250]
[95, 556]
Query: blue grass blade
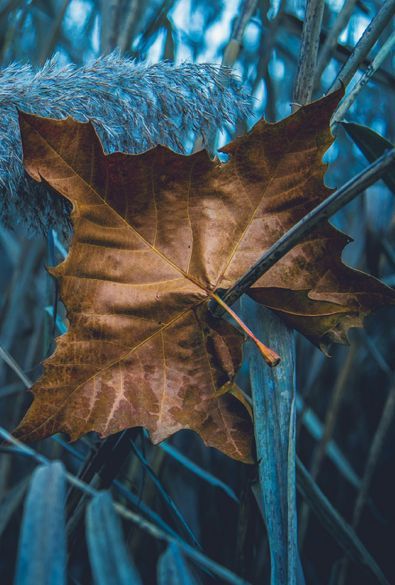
[51, 248]
[316, 430]
[165, 495]
[146, 510]
[173, 569]
[130, 496]
[273, 395]
[11, 501]
[42, 544]
[198, 471]
[207, 564]
[108, 555]
[335, 524]
[58, 244]
[61, 327]
[69, 448]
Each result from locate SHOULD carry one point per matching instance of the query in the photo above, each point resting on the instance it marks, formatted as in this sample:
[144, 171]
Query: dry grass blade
[273, 397]
[42, 543]
[198, 471]
[225, 574]
[316, 429]
[365, 43]
[384, 426]
[173, 570]
[232, 50]
[351, 96]
[331, 39]
[329, 426]
[373, 145]
[110, 561]
[9, 360]
[269, 35]
[166, 496]
[335, 524]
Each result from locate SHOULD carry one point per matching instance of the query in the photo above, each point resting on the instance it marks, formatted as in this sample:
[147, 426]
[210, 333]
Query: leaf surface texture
[154, 235]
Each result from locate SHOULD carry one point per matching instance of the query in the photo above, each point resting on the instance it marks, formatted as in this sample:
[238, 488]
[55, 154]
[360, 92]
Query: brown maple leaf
[155, 235]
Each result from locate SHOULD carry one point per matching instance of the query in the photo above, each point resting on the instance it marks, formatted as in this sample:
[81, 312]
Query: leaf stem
[270, 356]
[311, 220]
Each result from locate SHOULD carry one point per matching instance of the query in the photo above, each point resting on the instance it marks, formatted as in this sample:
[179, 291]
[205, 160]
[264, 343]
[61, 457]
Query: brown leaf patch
[154, 235]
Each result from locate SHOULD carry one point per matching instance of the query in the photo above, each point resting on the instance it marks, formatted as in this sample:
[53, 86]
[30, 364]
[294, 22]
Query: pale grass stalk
[331, 40]
[349, 99]
[381, 434]
[329, 426]
[304, 84]
[233, 47]
[9, 360]
[365, 43]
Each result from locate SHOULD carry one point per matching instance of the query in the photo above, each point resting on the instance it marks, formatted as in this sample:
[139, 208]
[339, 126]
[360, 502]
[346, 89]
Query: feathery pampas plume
[133, 107]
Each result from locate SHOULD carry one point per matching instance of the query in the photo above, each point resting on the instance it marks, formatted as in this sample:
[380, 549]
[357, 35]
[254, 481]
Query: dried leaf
[155, 235]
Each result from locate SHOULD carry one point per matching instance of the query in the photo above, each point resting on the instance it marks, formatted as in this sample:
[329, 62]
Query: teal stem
[273, 396]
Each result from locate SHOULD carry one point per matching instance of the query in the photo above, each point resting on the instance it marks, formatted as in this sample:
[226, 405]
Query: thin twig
[335, 524]
[308, 52]
[333, 410]
[349, 99]
[313, 425]
[166, 497]
[311, 220]
[380, 436]
[365, 43]
[9, 360]
[329, 426]
[330, 43]
[384, 426]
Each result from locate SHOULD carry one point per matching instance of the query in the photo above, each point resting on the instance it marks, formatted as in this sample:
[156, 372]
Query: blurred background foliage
[346, 404]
